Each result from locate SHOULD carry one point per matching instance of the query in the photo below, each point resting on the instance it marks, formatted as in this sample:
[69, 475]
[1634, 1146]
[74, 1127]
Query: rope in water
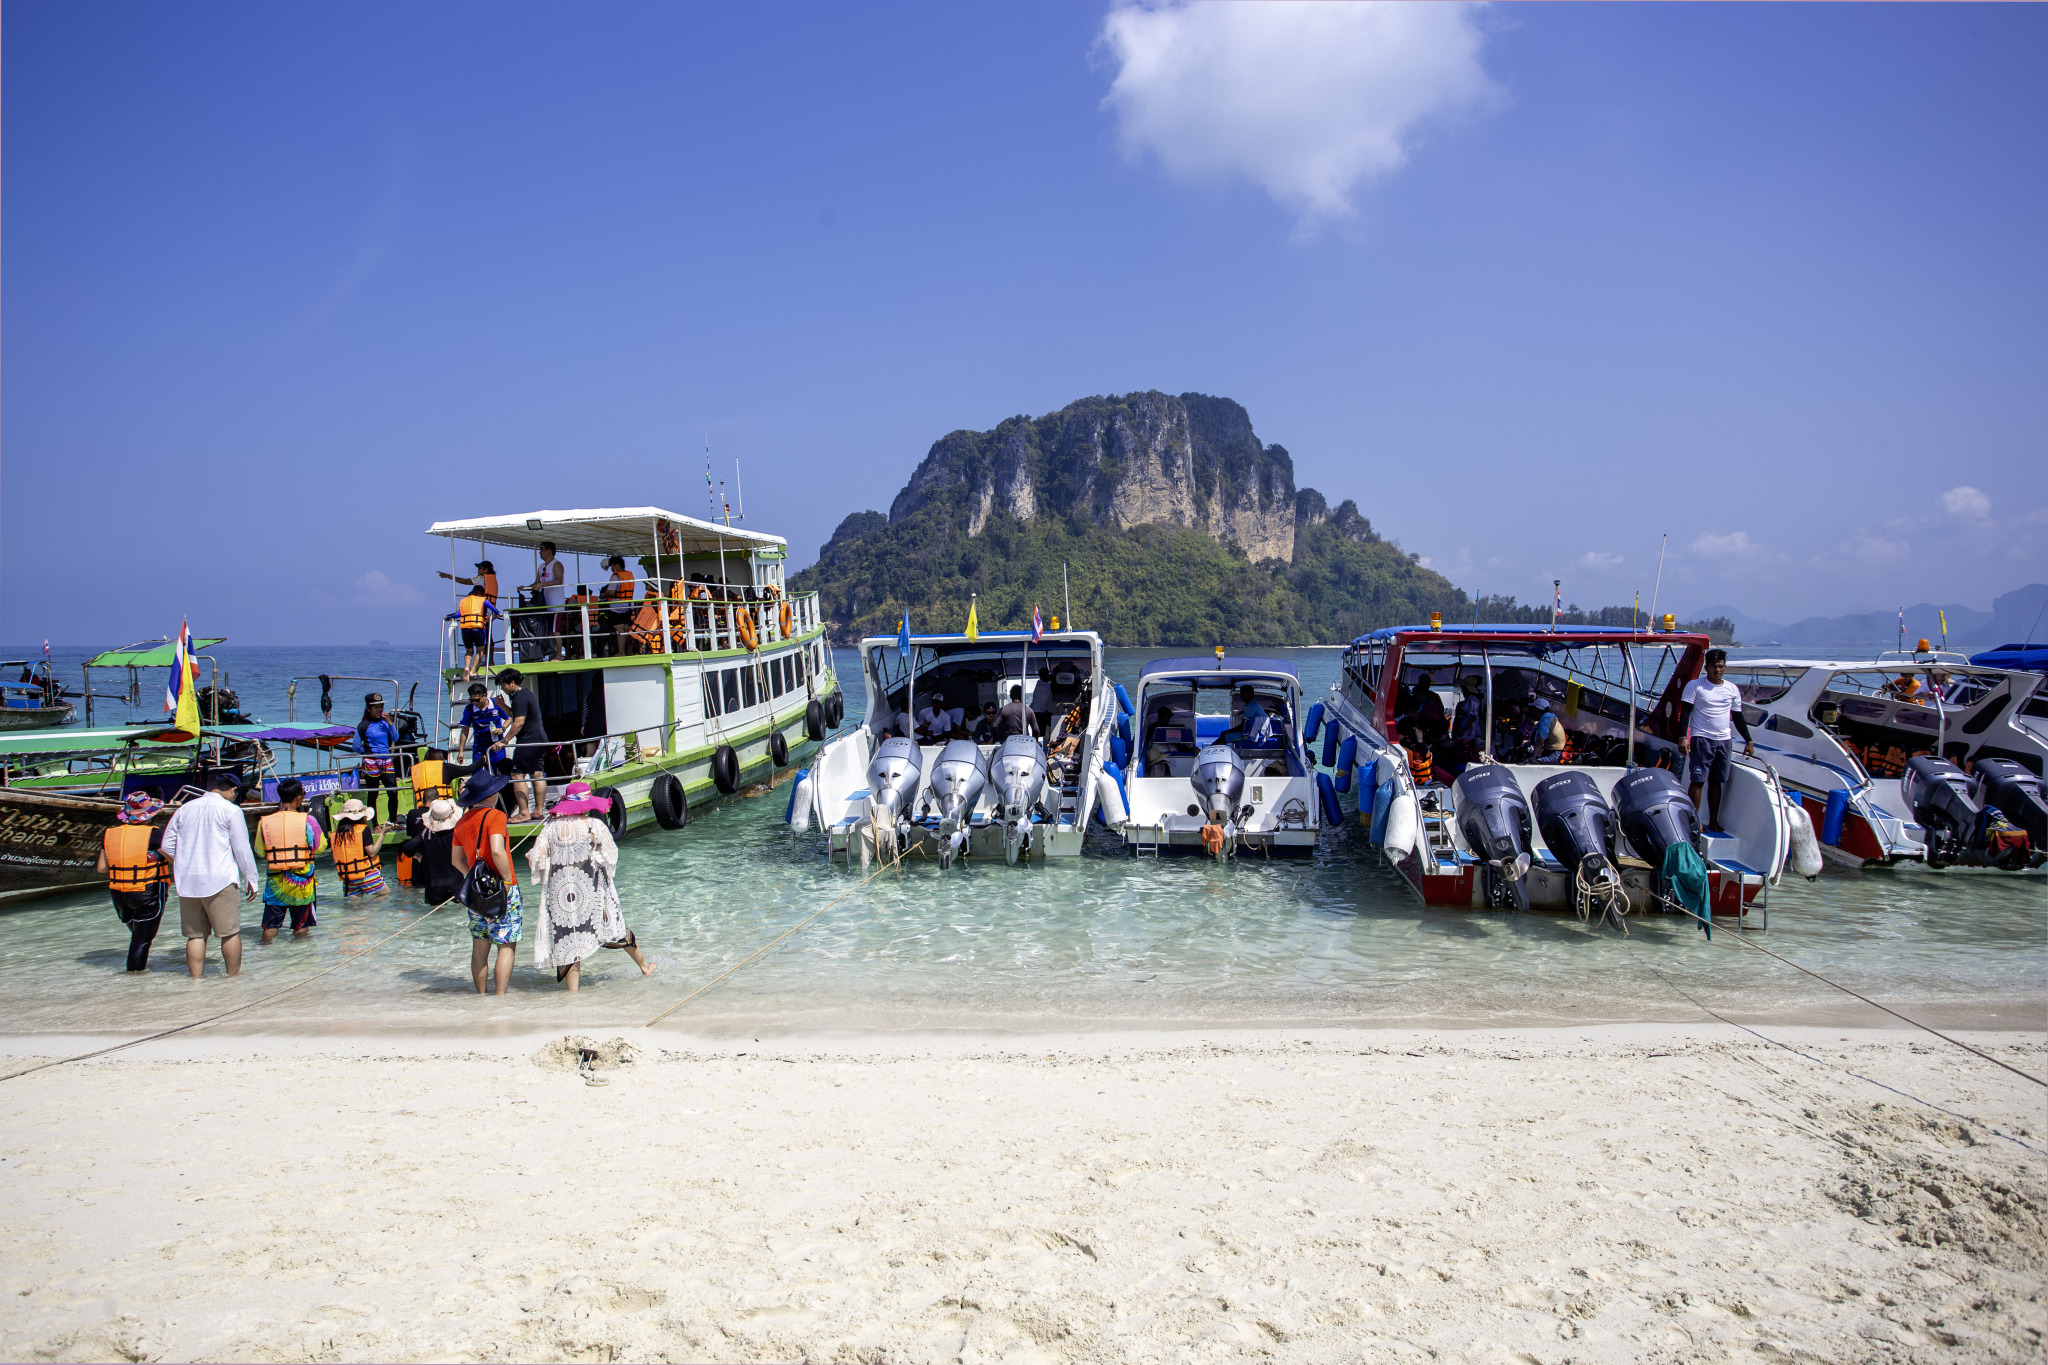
[1749, 943]
[771, 943]
[212, 1018]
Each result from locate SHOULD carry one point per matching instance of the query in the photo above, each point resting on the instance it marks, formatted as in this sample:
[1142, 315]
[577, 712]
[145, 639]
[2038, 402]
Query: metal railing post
[667, 645]
[584, 607]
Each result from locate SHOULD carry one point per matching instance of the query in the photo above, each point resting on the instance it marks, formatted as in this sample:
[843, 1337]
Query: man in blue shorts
[1714, 705]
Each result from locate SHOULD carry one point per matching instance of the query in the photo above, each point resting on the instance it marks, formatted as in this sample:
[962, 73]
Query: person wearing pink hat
[138, 874]
[575, 859]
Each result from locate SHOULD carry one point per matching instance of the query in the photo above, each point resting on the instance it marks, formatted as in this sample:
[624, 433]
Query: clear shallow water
[1102, 941]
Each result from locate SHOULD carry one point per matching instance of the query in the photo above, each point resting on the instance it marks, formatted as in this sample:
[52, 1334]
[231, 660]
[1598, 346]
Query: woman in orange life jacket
[138, 874]
[486, 579]
[356, 841]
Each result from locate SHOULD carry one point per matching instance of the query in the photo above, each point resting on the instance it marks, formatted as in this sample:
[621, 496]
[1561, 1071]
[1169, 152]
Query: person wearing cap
[618, 592]
[377, 740]
[356, 858]
[935, 719]
[576, 859]
[289, 839]
[432, 851]
[486, 579]
[138, 874]
[481, 836]
[207, 843]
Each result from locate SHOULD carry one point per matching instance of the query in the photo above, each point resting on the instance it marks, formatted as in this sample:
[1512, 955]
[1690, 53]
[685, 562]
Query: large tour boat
[1597, 827]
[682, 678]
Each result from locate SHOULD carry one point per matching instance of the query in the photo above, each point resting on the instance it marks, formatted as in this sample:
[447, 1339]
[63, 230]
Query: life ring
[788, 621]
[778, 748]
[615, 814]
[814, 719]
[725, 769]
[671, 804]
[744, 619]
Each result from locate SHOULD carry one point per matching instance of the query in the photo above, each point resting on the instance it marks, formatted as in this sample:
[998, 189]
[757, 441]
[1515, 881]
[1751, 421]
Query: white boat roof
[1947, 664]
[607, 531]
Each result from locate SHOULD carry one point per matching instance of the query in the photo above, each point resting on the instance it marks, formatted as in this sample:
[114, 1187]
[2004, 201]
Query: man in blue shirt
[483, 720]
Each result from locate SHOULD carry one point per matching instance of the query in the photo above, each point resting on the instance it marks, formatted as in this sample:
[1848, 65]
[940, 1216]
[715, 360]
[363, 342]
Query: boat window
[1785, 725]
[730, 678]
[711, 707]
[747, 694]
[1762, 685]
[775, 677]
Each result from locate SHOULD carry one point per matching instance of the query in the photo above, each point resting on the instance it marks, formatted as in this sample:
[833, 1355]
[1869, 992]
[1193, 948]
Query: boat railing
[674, 617]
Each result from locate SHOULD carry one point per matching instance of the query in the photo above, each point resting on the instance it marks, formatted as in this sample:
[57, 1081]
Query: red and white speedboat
[1595, 828]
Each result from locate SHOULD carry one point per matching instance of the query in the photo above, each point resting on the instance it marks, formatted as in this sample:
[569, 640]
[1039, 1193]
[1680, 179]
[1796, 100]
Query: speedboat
[1597, 828]
[1877, 750]
[891, 786]
[1199, 763]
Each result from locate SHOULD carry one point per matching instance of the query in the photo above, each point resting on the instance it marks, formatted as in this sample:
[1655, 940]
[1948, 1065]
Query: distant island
[1177, 526]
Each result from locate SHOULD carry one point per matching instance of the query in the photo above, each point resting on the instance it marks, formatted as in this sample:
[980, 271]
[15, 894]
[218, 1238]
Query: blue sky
[1535, 285]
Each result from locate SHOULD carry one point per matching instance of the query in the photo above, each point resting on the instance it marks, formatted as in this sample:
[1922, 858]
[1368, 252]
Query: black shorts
[476, 638]
[137, 907]
[526, 758]
[302, 916]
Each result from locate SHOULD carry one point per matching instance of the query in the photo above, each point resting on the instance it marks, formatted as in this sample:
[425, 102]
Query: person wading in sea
[481, 837]
[138, 874]
[575, 859]
[289, 840]
[207, 842]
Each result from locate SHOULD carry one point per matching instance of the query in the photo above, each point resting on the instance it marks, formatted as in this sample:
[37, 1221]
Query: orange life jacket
[428, 781]
[285, 848]
[474, 617]
[620, 589]
[490, 586]
[349, 859]
[130, 864]
[1420, 767]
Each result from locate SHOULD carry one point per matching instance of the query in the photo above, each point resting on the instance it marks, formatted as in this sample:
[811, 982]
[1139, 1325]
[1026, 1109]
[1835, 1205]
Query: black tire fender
[725, 769]
[835, 711]
[814, 720]
[778, 748]
[615, 815]
[671, 804]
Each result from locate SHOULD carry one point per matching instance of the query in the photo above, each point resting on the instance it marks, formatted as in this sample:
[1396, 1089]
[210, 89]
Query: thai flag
[1037, 626]
[181, 665]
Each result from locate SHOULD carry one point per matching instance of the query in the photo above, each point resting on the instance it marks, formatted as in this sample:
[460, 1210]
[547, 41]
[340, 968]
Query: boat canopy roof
[629, 531]
[147, 653]
[2030, 658]
[72, 740]
[1230, 664]
[1518, 639]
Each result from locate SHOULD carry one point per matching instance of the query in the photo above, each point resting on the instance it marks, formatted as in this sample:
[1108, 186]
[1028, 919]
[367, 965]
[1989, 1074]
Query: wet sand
[1646, 1192]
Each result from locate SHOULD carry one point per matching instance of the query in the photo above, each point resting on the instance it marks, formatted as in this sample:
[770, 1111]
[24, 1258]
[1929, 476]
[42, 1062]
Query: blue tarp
[2029, 658]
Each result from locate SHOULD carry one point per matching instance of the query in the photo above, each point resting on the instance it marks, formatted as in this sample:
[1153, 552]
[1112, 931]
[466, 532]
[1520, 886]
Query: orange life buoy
[788, 621]
[748, 636]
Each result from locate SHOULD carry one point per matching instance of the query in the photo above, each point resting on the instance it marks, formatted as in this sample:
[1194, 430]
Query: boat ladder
[1147, 840]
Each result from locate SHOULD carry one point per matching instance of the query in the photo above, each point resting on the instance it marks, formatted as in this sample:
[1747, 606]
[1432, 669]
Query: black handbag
[483, 891]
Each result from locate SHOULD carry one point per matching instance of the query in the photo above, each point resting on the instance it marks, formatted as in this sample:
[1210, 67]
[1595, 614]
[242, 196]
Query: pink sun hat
[578, 800]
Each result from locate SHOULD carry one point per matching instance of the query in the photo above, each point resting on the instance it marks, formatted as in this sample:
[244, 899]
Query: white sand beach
[1623, 1193]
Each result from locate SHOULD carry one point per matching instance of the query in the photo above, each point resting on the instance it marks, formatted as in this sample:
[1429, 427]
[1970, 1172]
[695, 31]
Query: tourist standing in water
[289, 840]
[481, 837]
[576, 860]
[207, 842]
[138, 874]
[357, 844]
[432, 851]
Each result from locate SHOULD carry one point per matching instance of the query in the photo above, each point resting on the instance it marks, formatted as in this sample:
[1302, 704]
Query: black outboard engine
[1575, 821]
[2019, 795]
[1938, 794]
[1655, 813]
[1493, 815]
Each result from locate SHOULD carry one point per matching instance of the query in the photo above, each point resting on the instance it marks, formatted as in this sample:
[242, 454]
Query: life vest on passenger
[749, 637]
[1889, 762]
[350, 860]
[788, 621]
[429, 781]
[620, 589]
[1420, 767]
[489, 583]
[130, 864]
[285, 848]
[474, 615]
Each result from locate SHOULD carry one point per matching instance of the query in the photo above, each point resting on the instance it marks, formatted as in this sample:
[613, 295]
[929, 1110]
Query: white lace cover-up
[575, 858]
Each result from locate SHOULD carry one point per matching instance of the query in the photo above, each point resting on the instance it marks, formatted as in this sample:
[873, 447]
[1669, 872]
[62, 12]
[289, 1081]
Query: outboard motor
[958, 775]
[2019, 795]
[1493, 815]
[1938, 794]
[1655, 813]
[1218, 780]
[1019, 777]
[1578, 827]
[894, 775]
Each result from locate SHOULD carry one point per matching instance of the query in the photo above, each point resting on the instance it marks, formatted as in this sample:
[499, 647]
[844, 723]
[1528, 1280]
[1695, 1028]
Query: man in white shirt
[208, 843]
[1715, 705]
[936, 720]
[551, 580]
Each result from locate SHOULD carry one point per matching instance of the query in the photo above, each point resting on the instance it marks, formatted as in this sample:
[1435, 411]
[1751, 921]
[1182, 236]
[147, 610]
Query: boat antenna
[739, 489]
[710, 492]
[1066, 596]
[1658, 587]
[1556, 602]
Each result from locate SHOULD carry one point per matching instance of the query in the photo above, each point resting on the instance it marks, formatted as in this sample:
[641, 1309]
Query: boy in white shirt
[1714, 705]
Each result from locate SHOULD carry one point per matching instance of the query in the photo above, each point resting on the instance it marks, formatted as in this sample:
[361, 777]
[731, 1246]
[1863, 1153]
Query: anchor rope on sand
[770, 944]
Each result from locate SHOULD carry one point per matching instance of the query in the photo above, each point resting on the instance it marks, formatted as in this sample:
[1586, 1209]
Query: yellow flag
[182, 699]
[973, 627]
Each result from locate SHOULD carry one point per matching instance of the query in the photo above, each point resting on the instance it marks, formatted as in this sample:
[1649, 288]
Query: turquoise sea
[1104, 941]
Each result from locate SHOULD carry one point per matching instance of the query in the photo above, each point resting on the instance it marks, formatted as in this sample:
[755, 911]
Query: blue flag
[903, 635]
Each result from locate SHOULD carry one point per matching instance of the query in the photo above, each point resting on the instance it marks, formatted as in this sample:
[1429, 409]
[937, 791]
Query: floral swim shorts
[505, 928]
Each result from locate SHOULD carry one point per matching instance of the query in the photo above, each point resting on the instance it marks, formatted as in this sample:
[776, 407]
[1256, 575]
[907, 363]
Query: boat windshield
[967, 675]
[1761, 684]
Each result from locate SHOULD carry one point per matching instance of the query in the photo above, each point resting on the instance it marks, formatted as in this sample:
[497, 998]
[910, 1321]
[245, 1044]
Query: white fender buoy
[1805, 846]
[1109, 799]
[800, 803]
[1400, 840]
[1383, 771]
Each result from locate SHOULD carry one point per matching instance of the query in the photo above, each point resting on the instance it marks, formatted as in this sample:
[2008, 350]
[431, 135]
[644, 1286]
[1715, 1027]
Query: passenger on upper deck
[619, 591]
[486, 576]
[549, 582]
[473, 614]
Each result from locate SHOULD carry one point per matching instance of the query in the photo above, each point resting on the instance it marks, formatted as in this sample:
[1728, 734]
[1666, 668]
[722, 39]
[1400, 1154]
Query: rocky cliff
[1176, 523]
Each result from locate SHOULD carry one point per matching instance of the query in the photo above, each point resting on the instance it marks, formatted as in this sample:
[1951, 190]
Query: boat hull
[50, 842]
[36, 717]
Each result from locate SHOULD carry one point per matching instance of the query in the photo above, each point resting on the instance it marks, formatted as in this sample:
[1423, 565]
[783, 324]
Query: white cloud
[1305, 99]
[1966, 502]
[1734, 545]
[1596, 561]
[1872, 548]
[374, 589]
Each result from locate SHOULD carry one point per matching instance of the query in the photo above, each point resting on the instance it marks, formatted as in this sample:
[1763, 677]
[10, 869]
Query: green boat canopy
[147, 655]
[65, 741]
